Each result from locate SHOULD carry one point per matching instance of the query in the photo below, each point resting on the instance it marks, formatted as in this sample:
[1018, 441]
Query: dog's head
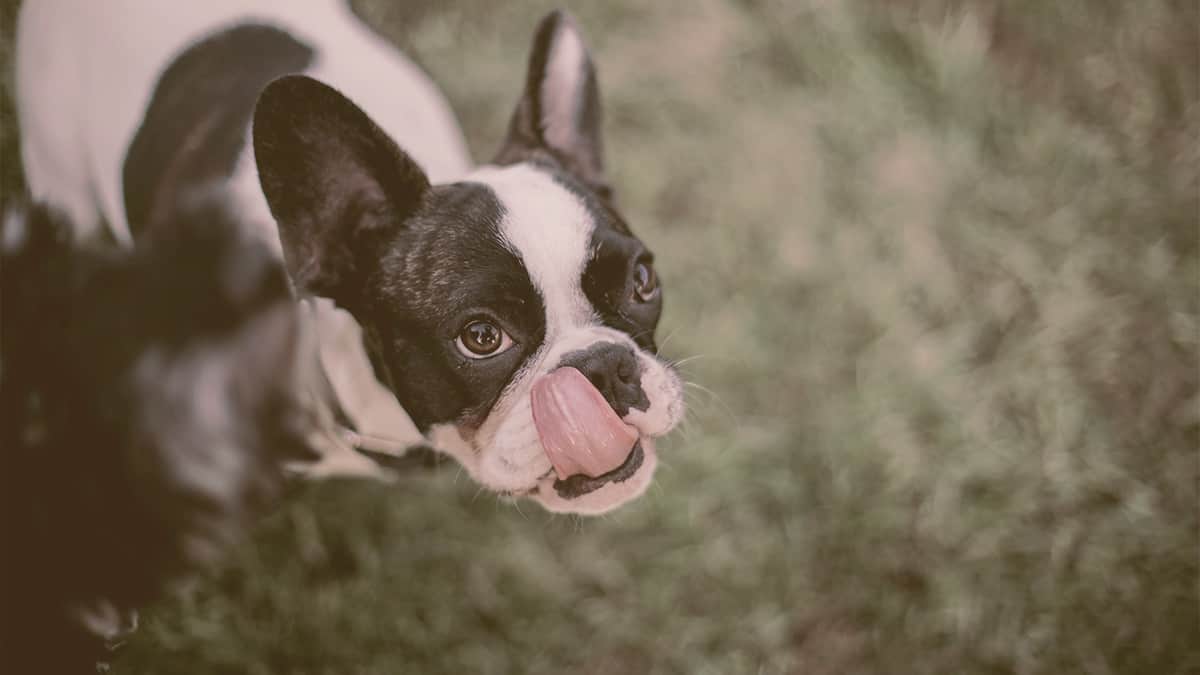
[476, 296]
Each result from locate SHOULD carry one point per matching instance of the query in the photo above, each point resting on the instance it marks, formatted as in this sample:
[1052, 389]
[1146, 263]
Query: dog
[149, 408]
[505, 312]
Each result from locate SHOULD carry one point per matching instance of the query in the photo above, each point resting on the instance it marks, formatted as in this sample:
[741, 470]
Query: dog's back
[109, 93]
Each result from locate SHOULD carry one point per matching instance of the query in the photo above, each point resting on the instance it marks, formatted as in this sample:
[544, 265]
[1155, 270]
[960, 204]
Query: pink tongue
[578, 429]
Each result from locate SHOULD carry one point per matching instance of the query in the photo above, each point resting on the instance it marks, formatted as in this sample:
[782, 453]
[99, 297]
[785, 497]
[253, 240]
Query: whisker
[686, 429]
[698, 388]
[683, 429]
[673, 333]
[689, 359]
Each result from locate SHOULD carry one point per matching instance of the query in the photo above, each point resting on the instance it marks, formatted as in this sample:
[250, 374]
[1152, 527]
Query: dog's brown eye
[481, 339]
[645, 282]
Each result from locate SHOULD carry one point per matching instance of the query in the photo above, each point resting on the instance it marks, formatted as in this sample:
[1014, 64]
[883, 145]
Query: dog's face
[472, 294]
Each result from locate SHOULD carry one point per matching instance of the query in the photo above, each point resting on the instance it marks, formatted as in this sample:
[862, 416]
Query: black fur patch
[194, 129]
[608, 285]
[337, 185]
[147, 401]
[444, 268]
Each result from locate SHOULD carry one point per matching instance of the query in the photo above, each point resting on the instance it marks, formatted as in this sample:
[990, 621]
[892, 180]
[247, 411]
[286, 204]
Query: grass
[937, 263]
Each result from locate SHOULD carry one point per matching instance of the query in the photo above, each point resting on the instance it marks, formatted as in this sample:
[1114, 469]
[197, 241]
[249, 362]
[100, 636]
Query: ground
[933, 268]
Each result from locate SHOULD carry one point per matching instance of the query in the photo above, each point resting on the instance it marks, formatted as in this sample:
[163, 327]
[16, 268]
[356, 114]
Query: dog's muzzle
[581, 484]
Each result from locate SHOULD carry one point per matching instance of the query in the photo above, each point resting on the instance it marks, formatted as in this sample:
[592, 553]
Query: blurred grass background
[937, 262]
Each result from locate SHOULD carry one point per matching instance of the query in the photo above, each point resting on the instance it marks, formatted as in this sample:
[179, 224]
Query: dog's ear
[335, 182]
[559, 111]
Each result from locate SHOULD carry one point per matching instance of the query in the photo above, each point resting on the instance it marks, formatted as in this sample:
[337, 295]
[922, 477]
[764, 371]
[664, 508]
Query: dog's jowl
[506, 309]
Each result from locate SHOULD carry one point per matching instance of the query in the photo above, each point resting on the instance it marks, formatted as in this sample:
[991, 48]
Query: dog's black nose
[612, 369]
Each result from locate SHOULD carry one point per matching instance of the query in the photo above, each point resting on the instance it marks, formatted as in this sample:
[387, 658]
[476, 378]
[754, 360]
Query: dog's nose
[612, 369]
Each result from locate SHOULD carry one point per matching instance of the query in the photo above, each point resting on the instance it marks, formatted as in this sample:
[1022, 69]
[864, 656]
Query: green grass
[939, 263]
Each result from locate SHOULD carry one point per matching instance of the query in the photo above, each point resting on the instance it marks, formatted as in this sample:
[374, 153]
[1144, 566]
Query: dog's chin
[593, 496]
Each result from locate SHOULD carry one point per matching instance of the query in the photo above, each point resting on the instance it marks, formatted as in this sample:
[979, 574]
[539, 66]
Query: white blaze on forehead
[550, 230]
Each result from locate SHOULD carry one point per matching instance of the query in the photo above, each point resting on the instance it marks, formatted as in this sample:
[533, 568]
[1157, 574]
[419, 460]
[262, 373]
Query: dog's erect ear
[335, 182]
[559, 111]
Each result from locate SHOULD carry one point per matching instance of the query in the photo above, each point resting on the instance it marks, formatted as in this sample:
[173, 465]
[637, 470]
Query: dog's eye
[481, 339]
[645, 282]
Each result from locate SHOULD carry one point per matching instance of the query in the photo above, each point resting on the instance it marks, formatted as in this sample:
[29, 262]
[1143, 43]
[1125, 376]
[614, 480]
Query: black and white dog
[507, 310]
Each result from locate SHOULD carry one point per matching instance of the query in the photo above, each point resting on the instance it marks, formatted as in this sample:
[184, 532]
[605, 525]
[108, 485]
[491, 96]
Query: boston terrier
[506, 311]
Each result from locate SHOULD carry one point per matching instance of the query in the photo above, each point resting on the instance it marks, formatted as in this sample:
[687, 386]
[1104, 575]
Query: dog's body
[106, 108]
[148, 403]
[88, 72]
[471, 284]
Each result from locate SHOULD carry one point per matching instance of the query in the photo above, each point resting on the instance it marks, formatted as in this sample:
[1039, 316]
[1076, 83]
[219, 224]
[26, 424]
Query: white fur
[550, 230]
[86, 71]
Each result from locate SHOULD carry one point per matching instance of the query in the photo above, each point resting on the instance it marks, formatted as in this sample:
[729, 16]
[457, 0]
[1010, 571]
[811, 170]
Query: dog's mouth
[587, 443]
[580, 484]
[586, 459]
